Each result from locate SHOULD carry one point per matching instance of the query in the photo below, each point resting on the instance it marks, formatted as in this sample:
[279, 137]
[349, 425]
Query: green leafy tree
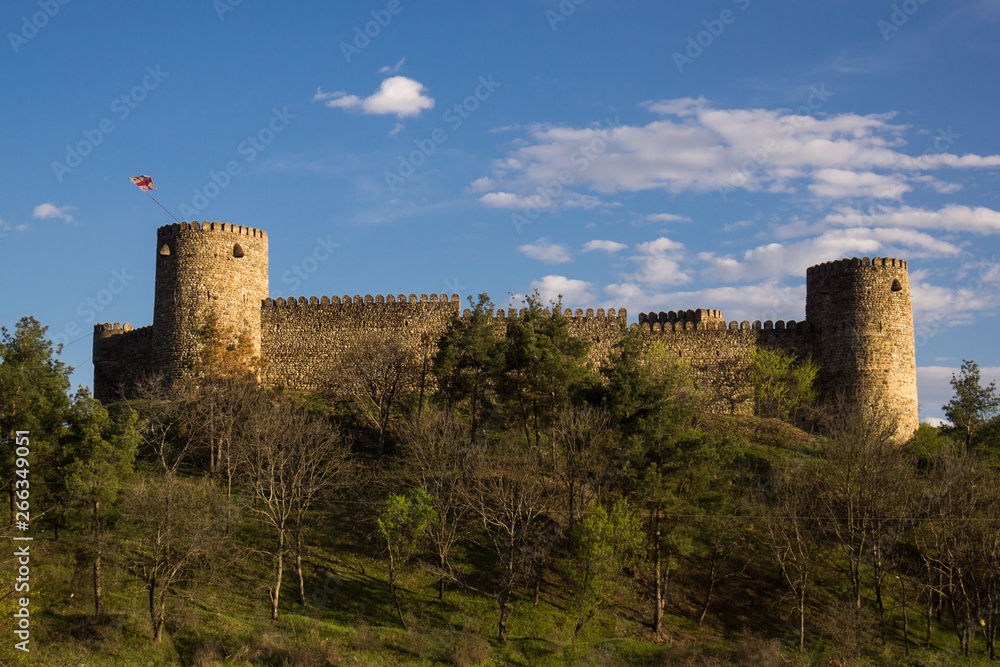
[402, 524]
[973, 406]
[33, 386]
[603, 545]
[468, 359]
[100, 452]
[783, 384]
[543, 364]
[672, 466]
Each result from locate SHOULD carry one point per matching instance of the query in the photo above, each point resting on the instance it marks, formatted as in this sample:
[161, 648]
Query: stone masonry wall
[121, 359]
[720, 356]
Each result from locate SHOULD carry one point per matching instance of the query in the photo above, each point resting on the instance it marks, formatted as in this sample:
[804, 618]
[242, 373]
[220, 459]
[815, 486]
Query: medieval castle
[858, 327]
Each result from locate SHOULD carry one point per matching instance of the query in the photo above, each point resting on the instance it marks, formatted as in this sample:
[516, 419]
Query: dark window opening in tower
[238, 250]
[896, 287]
[165, 250]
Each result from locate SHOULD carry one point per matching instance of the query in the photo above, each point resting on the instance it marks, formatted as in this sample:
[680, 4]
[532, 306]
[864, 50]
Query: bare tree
[583, 439]
[790, 533]
[374, 375]
[286, 460]
[510, 503]
[437, 456]
[869, 477]
[176, 528]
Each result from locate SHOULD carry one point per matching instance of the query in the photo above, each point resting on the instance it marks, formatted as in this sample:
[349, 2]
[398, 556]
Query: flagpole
[161, 206]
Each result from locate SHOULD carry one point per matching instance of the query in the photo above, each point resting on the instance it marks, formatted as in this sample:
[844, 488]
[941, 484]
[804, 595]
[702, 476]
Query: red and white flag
[145, 183]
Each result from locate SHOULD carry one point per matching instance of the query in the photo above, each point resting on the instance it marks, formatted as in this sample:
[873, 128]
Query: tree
[437, 455]
[176, 530]
[671, 464]
[100, 453]
[973, 405]
[783, 384]
[791, 534]
[402, 524]
[868, 477]
[602, 545]
[585, 460]
[542, 365]
[510, 502]
[33, 386]
[375, 375]
[468, 359]
[286, 459]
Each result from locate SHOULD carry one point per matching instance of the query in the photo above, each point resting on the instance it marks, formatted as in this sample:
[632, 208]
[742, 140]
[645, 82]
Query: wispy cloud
[49, 210]
[394, 69]
[546, 251]
[609, 247]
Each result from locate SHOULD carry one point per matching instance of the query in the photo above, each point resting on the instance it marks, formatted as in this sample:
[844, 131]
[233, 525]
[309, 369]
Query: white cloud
[395, 68]
[696, 147]
[776, 259]
[48, 210]
[482, 184]
[610, 247]
[842, 183]
[397, 95]
[574, 292]
[512, 200]
[951, 218]
[667, 217]
[659, 262]
[546, 251]
[396, 130]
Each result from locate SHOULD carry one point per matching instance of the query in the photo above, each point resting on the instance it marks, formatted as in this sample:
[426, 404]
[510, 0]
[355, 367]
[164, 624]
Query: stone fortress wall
[858, 326]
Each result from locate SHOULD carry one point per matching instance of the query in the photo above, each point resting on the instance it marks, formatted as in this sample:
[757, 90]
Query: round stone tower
[860, 312]
[203, 269]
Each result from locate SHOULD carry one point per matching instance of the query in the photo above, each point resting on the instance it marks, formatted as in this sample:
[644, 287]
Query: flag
[145, 183]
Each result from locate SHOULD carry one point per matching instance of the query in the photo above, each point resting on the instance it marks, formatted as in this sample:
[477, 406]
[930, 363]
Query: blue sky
[653, 156]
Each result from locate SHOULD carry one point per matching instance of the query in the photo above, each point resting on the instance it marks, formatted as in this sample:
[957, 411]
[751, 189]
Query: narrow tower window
[165, 250]
[896, 287]
[238, 250]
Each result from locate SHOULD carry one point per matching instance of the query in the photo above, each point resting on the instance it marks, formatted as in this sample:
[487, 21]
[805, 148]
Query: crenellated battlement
[839, 265]
[699, 315]
[358, 300]
[107, 329]
[206, 226]
[745, 325]
[579, 314]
